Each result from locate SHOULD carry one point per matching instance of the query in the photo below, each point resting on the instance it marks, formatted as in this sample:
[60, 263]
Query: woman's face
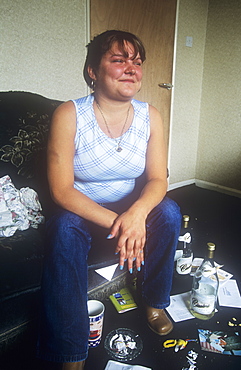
[119, 75]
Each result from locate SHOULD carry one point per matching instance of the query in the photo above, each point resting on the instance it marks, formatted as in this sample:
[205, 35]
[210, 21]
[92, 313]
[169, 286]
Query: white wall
[219, 144]
[192, 20]
[206, 129]
[42, 47]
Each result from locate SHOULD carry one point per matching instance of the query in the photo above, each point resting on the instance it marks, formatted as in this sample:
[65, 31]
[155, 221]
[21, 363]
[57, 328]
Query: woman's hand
[130, 227]
[130, 231]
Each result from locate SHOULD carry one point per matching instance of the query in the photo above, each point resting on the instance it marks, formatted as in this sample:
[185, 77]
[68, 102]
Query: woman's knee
[168, 211]
[171, 210]
[64, 221]
[67, 229]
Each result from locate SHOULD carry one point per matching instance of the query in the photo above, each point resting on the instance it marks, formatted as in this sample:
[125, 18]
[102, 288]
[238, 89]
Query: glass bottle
[184, 263]
[205, 287]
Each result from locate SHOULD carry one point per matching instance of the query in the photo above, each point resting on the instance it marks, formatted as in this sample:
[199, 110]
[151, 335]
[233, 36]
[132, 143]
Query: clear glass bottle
[205, 287]
[184, 263]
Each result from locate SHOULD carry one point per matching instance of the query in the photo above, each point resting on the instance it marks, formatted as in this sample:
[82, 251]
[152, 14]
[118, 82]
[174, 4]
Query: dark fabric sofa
[24, 124]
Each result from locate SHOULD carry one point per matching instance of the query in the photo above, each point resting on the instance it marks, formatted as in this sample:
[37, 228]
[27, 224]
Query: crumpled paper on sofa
[19, 209]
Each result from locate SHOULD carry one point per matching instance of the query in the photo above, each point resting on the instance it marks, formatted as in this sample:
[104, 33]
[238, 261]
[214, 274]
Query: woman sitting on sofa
[98, 146]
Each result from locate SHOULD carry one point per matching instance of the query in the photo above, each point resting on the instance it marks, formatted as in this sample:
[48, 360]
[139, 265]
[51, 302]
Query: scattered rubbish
[229, 295]
[234, 322]
[191, 360]
[223, 276]
[107, 272]
[178, 308]
[123, 344]
[179, 344]
[220, 342]
[114, 365]
[123, 300]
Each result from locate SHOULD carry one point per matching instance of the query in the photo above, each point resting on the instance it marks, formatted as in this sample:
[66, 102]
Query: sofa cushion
[24, 124]
[20, 261]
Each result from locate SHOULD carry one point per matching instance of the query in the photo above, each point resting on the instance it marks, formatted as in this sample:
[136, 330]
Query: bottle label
[207, 270]
[184, 265]
[203, 299]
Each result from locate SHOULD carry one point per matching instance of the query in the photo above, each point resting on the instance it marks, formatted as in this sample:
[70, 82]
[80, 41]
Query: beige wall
[206, 129]
[43, 50]
[42, 47]
[219, 144]
[192, 20]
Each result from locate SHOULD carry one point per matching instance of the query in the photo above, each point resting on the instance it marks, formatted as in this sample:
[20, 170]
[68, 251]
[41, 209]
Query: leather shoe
[73, 365]
[158, 321]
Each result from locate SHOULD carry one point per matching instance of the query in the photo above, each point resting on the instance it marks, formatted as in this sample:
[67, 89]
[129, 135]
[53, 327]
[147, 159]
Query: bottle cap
[211, 246]
[185, 218]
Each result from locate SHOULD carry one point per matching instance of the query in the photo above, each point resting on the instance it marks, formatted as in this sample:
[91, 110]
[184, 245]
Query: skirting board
[219, 188]
[181, 184]
[206, 185]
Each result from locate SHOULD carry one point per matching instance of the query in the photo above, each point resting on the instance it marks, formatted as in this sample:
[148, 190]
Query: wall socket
[189, 41]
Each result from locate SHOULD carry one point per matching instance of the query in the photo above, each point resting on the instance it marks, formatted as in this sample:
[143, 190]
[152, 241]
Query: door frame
[173, 89]
[173, 70]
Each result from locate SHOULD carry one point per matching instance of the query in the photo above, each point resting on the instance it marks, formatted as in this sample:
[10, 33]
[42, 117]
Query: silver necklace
[118, 146]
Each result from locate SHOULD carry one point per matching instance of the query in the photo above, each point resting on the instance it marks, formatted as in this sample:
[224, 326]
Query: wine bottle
[184, 263]
[205, 287]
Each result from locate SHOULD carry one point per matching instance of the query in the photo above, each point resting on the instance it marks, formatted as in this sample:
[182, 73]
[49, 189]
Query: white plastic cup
[96, 316]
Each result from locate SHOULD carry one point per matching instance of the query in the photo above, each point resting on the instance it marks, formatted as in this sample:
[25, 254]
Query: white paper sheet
[114, 365]
[107, 272]
[223, 276]
[178, 308]
[178, 254]
[229, 295]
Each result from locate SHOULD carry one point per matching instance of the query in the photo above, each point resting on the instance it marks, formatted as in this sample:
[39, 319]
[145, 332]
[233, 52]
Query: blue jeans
[64, 322]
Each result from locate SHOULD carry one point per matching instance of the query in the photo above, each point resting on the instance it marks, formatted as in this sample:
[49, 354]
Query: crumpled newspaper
[19, 209]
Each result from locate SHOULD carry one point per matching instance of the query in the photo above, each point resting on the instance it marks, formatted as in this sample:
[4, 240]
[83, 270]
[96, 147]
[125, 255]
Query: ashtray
[123, 344]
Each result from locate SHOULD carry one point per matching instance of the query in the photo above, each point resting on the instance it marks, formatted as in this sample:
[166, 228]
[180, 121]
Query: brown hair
[103, 43]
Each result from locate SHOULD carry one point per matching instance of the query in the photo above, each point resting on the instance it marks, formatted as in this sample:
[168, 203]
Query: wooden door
[154, 22]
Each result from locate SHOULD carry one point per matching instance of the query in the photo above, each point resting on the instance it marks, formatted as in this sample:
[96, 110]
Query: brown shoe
[73, 365]
[158, 321]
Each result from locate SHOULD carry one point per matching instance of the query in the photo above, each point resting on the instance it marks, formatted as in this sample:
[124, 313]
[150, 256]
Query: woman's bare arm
[61, 151]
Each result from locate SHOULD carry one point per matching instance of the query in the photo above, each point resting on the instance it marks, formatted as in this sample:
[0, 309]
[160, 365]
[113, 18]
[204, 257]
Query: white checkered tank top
[102, 173]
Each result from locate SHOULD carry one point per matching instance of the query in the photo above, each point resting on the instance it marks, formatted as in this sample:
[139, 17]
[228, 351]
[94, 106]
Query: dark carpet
[214, 217]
